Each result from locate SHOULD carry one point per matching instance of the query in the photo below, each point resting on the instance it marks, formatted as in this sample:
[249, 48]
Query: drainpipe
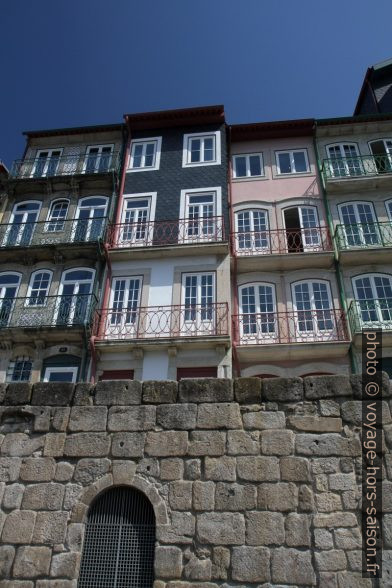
[338, 271]
[233, 256]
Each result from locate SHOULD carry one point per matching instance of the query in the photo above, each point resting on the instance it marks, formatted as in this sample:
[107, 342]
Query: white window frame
[248, 175]
[315, 334]
[4, 287]
[383, 139]
[37, 158]
[345, 226]
[11, 223]
[90, 220]
[123, 330]
[50, 220]
[343, 159]
[198, 326]
[56, 370]
[29, 288]
[291, 153]
[267, 233]
[63, 283]
[257, 338]
[313, 232]
[183, 236]
[371, 275]
[12, 363]
[186, 151]
[158, 149]
[148, 239]
[99, 155]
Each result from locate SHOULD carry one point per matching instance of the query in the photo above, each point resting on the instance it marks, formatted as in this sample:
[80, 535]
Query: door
[135, 229]
[22, 224]
[382, 152]
[98, 159]
[344, 160]
[9, 286]
[374, 299]
[252, 234]
[198, 312]
[302, 229]
[73, 304]
[89, 219]
[359, 224]
[258, 322]
[200, 222]
[46, 163]
[123, 314]
[313, 312]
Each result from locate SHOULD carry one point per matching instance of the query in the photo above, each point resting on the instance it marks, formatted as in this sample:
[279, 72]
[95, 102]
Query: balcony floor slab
[292, 351]
[284, 261]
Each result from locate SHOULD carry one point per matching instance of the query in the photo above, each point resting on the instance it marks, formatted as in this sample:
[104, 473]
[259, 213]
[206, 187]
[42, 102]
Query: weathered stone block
[31, 562]
[52, 394]
[277, 442]
[9, 468]
[235, 497]
[258, 469]
[50, 527]
[120, 392]
[350, 580]
[168, 562]
[220, 468]
[338, 519]
[329, 408]
[71, 495]
[323, 539]
[87, 445]
[327, 444]
[7, 554]
[210, 443]
[219, 416]
[221, 563]
[37, 469]
[283, 389]
[325, 465]
[326, 387]
[65, 565]
[75, 534]
[290, 566]
[192, 469]
[348, 538]
[46, 496]
[328, 502]
[60, 418]
[221, 528]
[297, 530]
[165, 443]
[247, 390]
[181, 529]
[316, 424]
[278, 497]
[342, 482]
[83, 394]
[387, 530]
[243, 443]
[13, 495]
[18, 393]
[295, 469]
[305, 499]
[262, 419]
[172, 468]
[180, 495]
[206, 390]
[149, 466]
[19, 527]
[20, 444]
[198, 569]
[123, 471]
[177, 416]
[128, 444]
[160, 391]
[88, 470]
[203, 496]
[250, 564]
[356, 384]
[135, 418]
[64, 471]
[264, 528]
[54, 444]
[88, 418]
[331, 561]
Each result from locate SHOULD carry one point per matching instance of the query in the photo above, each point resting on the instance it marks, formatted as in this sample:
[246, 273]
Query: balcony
[283, 248]
[65, 165]
[369, 315]
[354, 173]
[46, 313]
[46, 236]
[373, 240]
[163, 238]
[150, 324]
[291, 335]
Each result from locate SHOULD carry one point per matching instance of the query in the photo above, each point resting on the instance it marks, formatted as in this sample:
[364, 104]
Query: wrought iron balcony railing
[301, 326]
[280, 241]
[52, 232]
[357, 166]
[38, 311]
[158, 322]
[376, 314]
[364, 235]
[65, 165]
[184, 231]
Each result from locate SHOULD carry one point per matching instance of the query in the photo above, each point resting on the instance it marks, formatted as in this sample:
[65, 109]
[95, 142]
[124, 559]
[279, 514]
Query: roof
[273, 129]
[361, 118]
[3, 168]
[73, 130]
[366, 84]
[180, 117]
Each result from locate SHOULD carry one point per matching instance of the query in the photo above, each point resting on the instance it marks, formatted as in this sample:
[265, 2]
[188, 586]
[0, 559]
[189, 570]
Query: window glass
[292, 162]
[300, 162]
[144, 154]
[201, 149]
[57, 215]
[39, 288]
[248, 165]
[19, 370]
[255, 165]
[284, 163]
[240, 166]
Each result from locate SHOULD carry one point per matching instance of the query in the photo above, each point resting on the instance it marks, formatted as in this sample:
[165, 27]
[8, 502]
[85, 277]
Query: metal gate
[119, 543]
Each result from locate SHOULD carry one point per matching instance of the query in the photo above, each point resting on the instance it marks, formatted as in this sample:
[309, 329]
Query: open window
[302, 229]
[382, 153]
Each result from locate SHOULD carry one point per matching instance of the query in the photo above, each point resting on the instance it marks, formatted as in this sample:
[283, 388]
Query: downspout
[233, 256]
[338, 271]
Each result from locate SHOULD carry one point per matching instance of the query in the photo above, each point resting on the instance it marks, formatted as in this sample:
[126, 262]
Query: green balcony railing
[38, 311]
[363, 235]
[358, 166]
[65, 165]
[375, 314]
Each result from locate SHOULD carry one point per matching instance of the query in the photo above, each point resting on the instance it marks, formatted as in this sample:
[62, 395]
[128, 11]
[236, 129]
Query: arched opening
[119, 542]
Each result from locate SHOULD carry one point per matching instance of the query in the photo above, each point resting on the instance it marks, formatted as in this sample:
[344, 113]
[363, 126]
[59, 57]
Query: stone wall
[253, 483]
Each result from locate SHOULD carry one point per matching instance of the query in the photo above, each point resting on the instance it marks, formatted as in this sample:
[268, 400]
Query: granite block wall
[253, 483]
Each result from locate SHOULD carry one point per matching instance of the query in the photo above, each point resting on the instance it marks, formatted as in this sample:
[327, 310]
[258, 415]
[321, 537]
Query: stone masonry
[253, 483]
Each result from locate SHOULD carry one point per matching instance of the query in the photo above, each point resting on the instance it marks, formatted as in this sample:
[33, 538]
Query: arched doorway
[119, 542]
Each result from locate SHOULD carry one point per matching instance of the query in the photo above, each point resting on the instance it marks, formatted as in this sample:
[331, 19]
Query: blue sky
[82, 62]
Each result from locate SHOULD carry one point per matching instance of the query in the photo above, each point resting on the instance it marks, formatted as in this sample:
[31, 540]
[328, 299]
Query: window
[292, 162]
[116, 375]
[145, 154]
[344, 160]
[388, 206]
[136, 228]
[73, 302]
[359, 224]
[122, 316]
[312, 303]
[248, 165]
[38, 288]
[46, 162]
[382, 153]
[258, 312]
[98, 159]
[9, 286]
[374, 298]
[201, 149]
[302, 229]
[57, 215]
[200, 215]
[22, 224]
[19, 370]
[60, 374]
[90, 219]
[252, 231]
[199, 299]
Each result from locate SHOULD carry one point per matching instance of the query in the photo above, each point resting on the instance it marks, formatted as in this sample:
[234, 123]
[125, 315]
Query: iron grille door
[118, 549]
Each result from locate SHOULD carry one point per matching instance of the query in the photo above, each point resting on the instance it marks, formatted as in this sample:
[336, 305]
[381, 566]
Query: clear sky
[85, 62]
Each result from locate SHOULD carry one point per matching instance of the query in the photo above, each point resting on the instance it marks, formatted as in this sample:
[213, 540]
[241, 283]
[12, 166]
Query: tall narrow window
[374, 298]
[199, 299]
[9, 286]
[90, 218]
[98, 159]
[360, 224]
[252, 231]
[38, 288]
[258, 312]
[302, 229]
[313, 309]
[57, 215]
[124, 303]
[382, 153]
[22, 224]
[73, 304]
[46, 162]
[200, 217]
[135, 228]
[344, 160]
[119, 543]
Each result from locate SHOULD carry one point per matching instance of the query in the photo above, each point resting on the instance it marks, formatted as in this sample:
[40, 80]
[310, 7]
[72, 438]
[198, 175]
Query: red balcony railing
[281, 241]
[158, 322]
[183, 231]
[301, 326]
